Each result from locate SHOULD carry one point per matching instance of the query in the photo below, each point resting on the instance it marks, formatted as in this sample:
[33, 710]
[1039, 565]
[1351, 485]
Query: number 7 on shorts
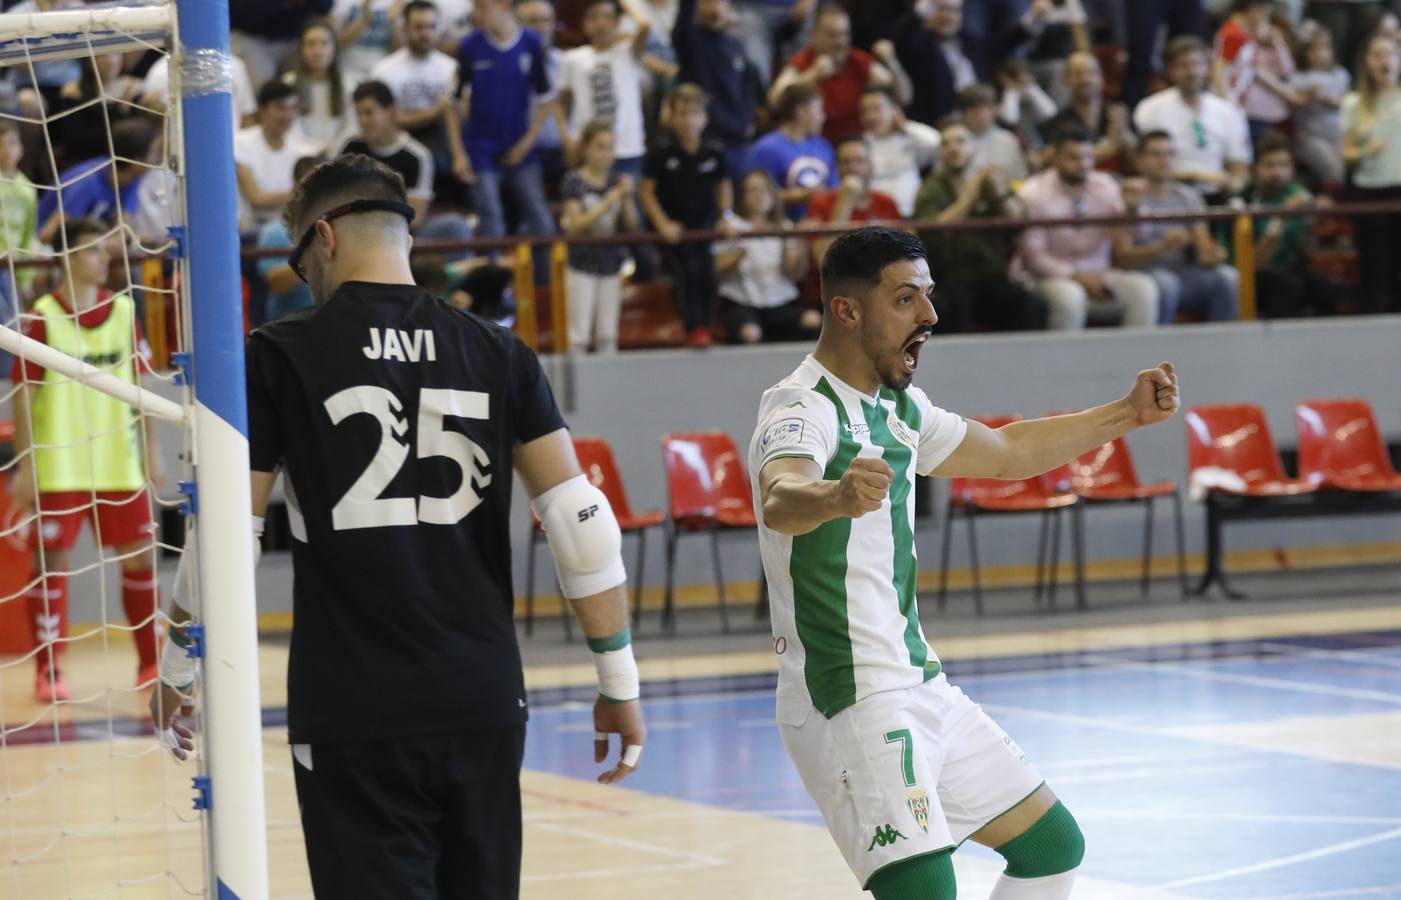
[907, 753]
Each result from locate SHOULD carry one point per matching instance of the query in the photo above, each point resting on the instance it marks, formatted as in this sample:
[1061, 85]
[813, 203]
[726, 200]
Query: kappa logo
[858, 430]
[796, 403]
[885, 836]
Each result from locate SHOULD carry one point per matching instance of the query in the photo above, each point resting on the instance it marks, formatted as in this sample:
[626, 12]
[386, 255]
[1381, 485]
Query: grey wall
[634, 398]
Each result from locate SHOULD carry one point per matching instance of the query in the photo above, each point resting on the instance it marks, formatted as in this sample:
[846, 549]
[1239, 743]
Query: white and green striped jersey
[845, 622]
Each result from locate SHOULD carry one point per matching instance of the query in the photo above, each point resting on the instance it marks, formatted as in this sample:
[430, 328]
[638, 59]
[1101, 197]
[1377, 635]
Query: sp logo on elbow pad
[588, 513]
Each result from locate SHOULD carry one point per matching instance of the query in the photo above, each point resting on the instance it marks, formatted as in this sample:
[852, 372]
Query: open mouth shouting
[912, 348]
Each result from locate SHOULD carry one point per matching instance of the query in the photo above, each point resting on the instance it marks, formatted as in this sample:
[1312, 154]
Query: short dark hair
[1155, 135]
[977, 95]
[75, 229]
[847, 139]
[1273, 142]
[855, 260]
[590, 4]
[1071, 133]
[377, 91]
[132, 137]
[414, 6]
[274, 91]
[794, 98]
[353, 176]
[1180, 46]
[305, 164]
[880, 90]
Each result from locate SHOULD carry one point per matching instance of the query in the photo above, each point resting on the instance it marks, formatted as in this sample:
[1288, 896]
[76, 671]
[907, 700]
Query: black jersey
[394, 417]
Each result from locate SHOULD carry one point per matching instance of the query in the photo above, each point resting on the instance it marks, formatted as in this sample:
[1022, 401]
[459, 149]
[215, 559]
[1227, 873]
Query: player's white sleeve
[794, 422]
[940, 433]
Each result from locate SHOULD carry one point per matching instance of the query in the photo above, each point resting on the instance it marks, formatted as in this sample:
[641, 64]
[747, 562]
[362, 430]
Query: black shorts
[427, 818]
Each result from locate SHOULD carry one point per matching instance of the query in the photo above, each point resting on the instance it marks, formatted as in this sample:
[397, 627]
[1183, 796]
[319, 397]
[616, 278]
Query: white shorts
[908, 772]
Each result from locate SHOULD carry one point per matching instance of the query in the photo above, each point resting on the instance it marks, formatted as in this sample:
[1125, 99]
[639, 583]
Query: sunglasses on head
[346, 209]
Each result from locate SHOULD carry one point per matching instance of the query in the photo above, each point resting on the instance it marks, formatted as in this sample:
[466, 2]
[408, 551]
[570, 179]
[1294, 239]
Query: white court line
[1281, 684]
[1150, 772]
[611, 873]
[699, 859]
[1302, 819]
[1362, 657]
[1282, 861]
[1096, 762]
[660, 725]
[1394, 889]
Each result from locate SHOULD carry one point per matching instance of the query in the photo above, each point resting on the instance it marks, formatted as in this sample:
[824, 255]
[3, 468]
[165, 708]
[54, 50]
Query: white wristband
[178, 669]
[617, 675]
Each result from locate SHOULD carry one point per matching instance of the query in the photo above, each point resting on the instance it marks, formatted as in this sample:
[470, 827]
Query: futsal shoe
[49, 688]
[146, 676]
[699, 337]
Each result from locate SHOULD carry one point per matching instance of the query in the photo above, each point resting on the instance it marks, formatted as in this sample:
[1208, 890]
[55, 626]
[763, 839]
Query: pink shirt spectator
[1060, 252]
[1250, 64]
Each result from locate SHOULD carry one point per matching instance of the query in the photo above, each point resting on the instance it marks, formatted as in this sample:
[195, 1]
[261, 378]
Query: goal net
[121, 350]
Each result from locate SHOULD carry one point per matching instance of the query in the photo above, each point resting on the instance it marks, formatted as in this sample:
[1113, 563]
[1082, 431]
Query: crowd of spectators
[599, 117]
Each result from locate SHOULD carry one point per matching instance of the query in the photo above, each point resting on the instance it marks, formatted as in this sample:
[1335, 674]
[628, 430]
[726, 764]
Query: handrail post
[525, 296]
[1244, 240]
[559, 299]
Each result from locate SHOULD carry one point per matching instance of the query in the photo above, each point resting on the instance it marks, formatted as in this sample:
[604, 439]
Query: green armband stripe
[612, 642]
[177, 636]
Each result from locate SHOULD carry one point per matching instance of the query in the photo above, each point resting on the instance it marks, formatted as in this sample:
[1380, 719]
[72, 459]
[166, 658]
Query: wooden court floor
[102, 814]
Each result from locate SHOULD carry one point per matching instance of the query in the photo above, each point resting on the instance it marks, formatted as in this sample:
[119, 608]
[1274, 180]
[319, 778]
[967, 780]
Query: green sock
[1053, 844]
[927, 877]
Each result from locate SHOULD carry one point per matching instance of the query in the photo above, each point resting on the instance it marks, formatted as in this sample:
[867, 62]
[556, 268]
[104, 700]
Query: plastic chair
[1340, 446]
[596, 460]
[1107, 475]
[1235, 439]
[708, 491]
[971, 497]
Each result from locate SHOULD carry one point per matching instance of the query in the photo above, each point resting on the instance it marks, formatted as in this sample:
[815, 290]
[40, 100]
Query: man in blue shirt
[501, 67]
[795, 153]
[90, 187]
[714, 60]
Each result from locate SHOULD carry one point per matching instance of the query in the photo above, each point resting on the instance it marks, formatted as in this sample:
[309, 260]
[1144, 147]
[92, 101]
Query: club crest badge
[918, 802]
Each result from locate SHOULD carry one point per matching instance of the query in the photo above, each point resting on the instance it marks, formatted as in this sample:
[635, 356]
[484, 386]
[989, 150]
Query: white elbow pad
[584, 537]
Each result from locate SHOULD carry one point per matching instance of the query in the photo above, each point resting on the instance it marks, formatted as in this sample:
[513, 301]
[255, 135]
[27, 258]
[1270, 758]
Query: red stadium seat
[596, 460]
[970, 497]
[708, 490]
[1340, 446]
[1107, 475]
[1236, 438]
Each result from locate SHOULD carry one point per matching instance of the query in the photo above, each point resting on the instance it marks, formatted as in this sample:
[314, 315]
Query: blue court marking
[1199, 817]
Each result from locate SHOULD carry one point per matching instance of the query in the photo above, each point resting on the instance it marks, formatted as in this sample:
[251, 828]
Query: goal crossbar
[133, 395]
[69, 34]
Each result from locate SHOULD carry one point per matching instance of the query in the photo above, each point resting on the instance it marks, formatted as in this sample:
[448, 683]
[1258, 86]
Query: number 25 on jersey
[361, 506]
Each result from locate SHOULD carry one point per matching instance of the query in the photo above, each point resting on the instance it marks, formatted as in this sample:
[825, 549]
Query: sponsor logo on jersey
[858, 430]
[786, 433]
[918, 802]
[885, 836]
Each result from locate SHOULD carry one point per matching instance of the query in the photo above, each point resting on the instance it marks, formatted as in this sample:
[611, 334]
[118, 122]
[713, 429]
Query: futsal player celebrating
[903, 765]
[91, 459]
[396, 420]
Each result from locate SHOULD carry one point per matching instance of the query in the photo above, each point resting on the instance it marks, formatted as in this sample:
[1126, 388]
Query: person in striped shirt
[902, 764]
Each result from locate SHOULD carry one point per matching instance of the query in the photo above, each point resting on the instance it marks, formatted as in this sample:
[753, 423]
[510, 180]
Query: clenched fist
[864, 487]
[1154, 397]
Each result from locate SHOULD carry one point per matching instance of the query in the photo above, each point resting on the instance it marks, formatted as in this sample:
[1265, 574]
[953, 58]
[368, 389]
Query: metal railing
[150, 269]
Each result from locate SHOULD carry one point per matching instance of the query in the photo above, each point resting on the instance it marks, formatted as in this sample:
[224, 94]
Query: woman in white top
[1371, 121]
[759, 297]
[326, 115]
